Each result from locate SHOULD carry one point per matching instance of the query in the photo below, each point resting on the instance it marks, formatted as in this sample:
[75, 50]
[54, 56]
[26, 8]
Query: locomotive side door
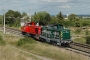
[36, 30]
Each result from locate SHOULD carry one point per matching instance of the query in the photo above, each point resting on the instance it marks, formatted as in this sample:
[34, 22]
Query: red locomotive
[31, 29]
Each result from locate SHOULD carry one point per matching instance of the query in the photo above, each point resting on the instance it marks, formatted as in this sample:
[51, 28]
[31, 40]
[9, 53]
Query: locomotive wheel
[27, 34]
[42, 40]
[23, 33]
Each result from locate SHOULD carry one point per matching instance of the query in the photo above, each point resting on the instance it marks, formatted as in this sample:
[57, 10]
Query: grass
[8, 53]
[2, 42]
[79, 34]
[87, 21]
[43, 49]
[80, 40]
[50, 51]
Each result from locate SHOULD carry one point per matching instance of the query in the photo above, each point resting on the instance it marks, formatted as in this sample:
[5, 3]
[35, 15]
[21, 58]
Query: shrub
[85, 24]
[2, 42]
[25, 40]
[87, 32]
[88, 40]
[77, 31]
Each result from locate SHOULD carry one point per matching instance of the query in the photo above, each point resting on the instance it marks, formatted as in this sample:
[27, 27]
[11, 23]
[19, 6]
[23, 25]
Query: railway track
[11, 31]
[82, 45]
[81, 48]
[75, 47]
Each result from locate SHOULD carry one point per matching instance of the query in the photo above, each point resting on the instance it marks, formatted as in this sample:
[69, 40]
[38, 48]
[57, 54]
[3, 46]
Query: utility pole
[3, 24]
[4, 21]
[30, 15]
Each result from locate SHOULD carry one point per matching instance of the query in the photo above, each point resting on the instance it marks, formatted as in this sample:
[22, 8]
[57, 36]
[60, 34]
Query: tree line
[43, 18]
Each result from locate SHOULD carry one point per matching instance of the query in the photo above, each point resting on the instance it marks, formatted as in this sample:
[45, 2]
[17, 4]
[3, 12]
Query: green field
[35, 47]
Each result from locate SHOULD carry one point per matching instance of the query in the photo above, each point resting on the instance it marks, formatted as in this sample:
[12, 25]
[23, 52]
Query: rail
[82, 45]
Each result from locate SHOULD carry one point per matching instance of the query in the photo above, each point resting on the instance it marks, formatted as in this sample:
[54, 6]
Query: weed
[78, 31]
[88, 40]
[25, 40]
[2, 42]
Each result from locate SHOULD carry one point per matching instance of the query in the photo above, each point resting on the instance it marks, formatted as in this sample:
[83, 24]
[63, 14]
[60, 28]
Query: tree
[42, 17]
[24, 14]
[17, 14]
[12, 17]
[9, 17]
[74, 19]
[35, 17]
[60, 16]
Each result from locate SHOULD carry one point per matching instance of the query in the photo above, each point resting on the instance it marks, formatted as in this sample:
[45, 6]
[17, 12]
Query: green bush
[25, 40]
[87, 32]
[85, 24]
[78, 31]
[88, 40]
[2, 42]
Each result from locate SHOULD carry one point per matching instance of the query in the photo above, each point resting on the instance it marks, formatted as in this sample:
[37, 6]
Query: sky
[53, 7]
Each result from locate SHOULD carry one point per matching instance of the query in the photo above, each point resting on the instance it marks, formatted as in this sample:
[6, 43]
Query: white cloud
[66, 6]
[63, 6]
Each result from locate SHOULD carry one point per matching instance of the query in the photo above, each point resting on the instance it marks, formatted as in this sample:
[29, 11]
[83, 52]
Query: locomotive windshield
[58, 26]
[29, 23]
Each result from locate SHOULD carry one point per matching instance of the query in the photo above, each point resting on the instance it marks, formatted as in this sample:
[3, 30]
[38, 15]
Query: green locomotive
[55, 34]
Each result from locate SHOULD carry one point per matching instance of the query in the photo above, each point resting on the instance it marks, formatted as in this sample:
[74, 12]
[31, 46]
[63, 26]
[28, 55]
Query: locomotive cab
[31, 29]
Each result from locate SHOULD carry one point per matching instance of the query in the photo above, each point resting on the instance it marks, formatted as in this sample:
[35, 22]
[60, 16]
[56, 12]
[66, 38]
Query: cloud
[57, 0]
[66, 6]
[47, 5]
[63, 6]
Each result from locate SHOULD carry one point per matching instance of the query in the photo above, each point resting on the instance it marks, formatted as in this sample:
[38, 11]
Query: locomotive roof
[55, 25]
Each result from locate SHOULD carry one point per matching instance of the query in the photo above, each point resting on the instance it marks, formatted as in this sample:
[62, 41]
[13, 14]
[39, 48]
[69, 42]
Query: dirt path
[37, 56]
